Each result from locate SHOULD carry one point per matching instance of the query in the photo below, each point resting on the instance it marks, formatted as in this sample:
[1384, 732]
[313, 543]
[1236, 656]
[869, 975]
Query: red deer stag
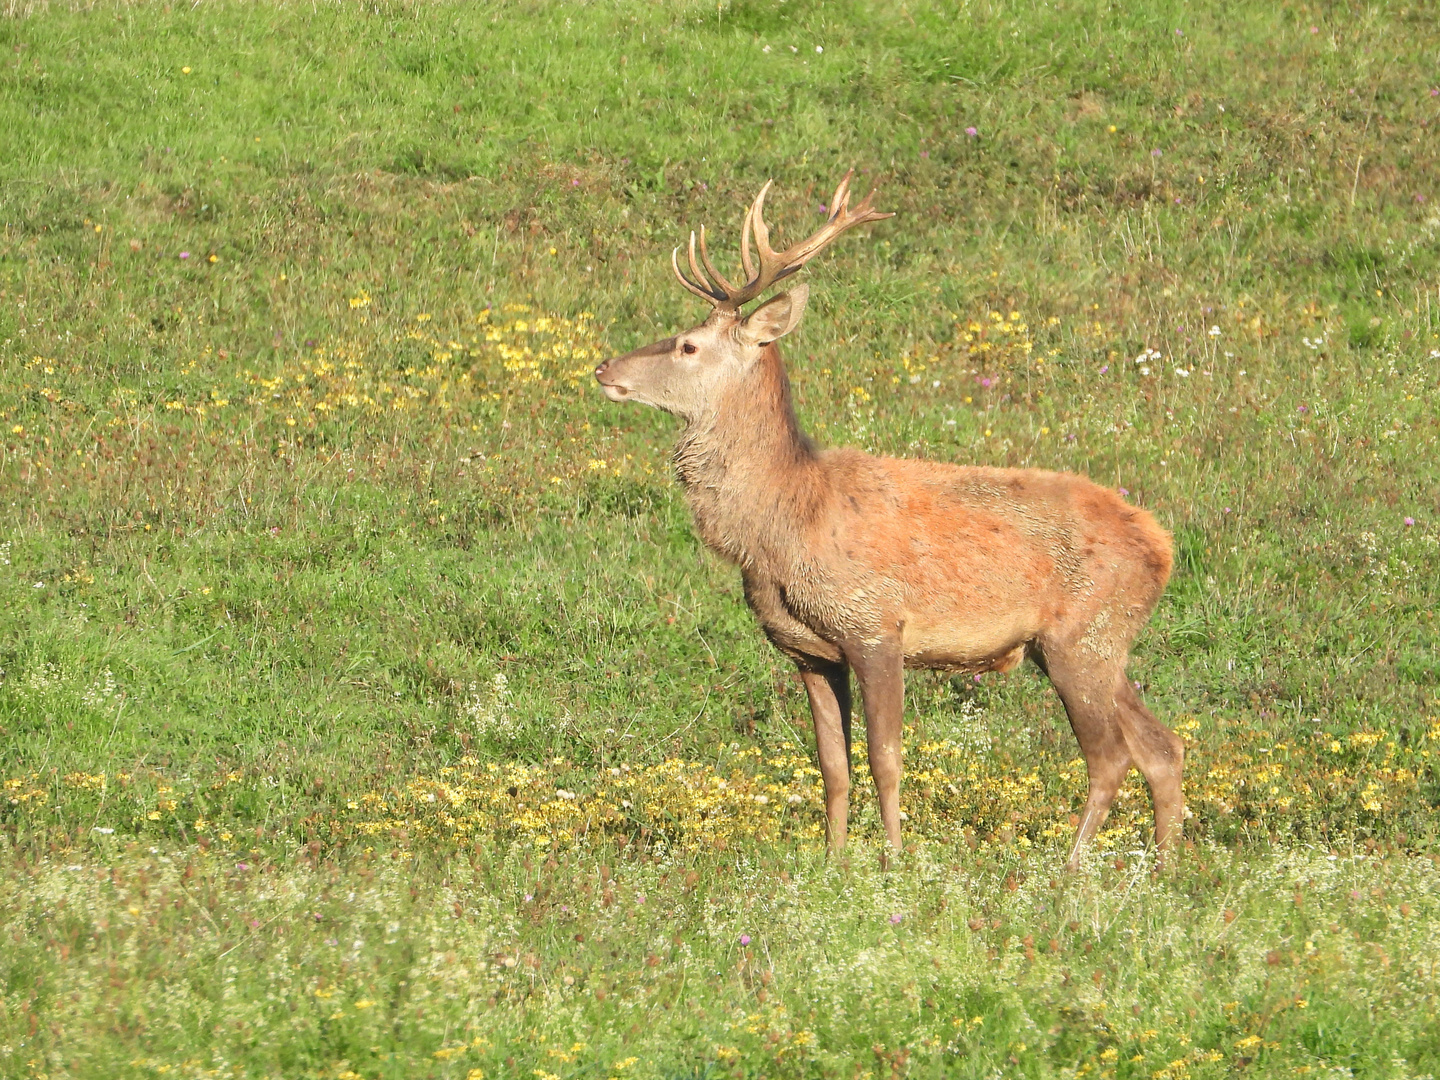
[878, 564]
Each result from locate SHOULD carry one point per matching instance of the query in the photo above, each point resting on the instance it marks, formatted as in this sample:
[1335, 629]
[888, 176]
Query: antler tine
[700, 277]
[864, 211]
[696, 289]
[746, 263]
[840, 201]
[758, 229]
[722, 285]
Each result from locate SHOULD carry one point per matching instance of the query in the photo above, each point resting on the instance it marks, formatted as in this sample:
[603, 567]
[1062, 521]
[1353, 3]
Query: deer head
[687, 374]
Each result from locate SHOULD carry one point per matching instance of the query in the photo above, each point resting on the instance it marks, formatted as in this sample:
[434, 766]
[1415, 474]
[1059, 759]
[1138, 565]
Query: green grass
[249, 616]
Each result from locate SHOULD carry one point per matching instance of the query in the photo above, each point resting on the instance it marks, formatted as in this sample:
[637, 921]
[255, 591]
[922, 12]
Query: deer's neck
[750, 475]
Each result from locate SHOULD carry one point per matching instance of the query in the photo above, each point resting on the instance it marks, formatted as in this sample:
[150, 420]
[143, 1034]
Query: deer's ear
[776, 317]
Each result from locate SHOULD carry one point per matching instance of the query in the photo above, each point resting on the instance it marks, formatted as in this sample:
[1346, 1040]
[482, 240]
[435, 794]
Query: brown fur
[876, 564]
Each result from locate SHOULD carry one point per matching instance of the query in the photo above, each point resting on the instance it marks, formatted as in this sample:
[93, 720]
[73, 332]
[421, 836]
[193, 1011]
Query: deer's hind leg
[1091, 705]
[1115, 730]
[1160, 755]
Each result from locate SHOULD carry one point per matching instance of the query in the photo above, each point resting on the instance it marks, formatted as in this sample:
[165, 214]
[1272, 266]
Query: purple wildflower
[184, 254]
[1409, 521]
[972, 132]
[744, 939]
[1104, 369]
[1124, 491]
[895, 919]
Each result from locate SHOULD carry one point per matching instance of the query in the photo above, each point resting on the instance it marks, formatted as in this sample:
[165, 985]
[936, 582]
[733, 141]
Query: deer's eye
[688, 348]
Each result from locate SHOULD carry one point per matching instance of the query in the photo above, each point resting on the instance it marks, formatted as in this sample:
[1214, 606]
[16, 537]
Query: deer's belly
[960, 645]
[968, 635]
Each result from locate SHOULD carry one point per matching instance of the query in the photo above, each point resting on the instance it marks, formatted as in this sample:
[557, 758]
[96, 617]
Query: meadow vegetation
[368, 708]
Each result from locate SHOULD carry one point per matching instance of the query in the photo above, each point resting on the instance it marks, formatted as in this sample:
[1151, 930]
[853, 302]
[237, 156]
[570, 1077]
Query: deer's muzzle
[613, 390]
[622, 377]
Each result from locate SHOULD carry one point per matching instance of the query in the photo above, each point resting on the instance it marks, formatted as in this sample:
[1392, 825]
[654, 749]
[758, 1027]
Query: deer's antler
[710, 284]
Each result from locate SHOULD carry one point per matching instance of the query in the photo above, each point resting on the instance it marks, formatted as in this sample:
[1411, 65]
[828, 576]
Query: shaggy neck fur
[750, 475]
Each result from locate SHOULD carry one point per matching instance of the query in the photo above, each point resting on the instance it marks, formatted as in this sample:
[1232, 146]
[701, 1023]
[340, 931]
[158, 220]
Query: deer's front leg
[881, 671]
[828, 687]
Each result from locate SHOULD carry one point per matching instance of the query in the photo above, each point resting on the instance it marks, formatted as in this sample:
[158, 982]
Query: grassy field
[369, 709]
